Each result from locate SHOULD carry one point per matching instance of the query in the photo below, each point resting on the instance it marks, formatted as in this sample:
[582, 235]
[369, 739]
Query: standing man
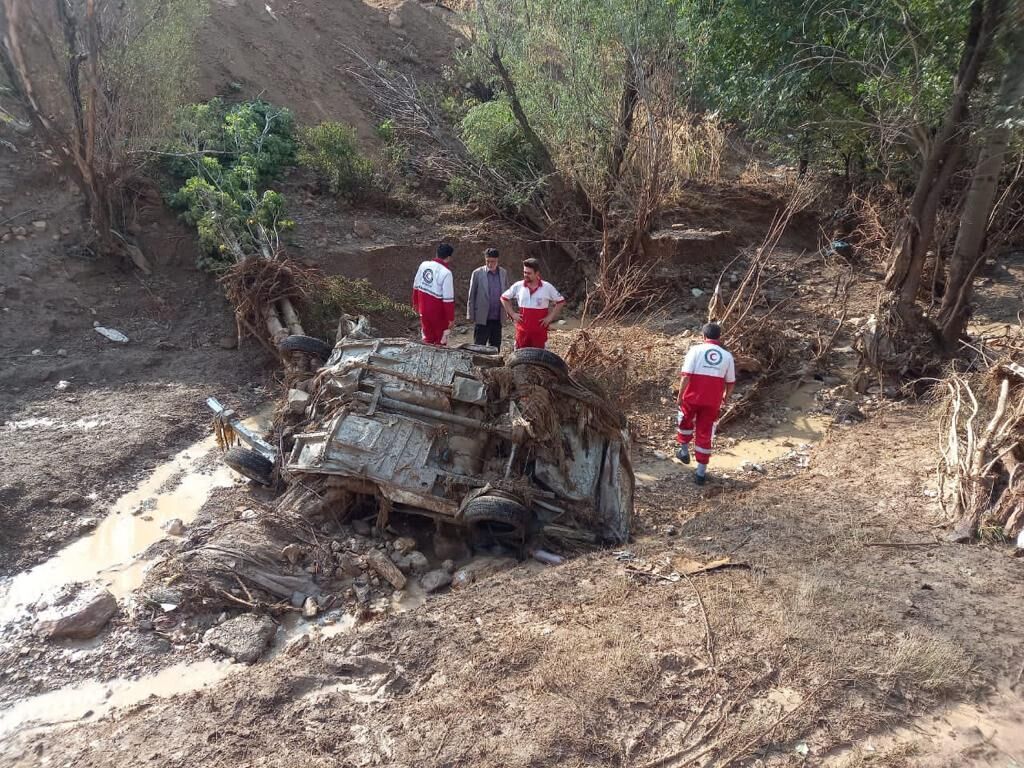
[433, 297]
[483, 306]
[709, 376]
[539, 304]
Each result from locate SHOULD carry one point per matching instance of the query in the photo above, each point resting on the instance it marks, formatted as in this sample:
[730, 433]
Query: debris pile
[472, 452]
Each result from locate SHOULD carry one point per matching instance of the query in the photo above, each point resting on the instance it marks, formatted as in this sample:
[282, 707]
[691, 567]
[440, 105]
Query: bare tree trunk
[969, 251]
[904, 275]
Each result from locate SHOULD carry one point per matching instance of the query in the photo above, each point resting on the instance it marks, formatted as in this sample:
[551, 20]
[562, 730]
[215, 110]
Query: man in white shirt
[708, 378]
[433, 297]
[539, 305]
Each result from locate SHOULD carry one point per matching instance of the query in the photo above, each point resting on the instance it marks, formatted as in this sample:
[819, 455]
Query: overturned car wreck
[513, 449]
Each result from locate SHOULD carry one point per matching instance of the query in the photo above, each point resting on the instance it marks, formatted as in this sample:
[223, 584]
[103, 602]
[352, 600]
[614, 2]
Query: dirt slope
[296, 53]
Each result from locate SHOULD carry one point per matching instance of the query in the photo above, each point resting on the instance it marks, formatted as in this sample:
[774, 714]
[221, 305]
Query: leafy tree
[100, 82]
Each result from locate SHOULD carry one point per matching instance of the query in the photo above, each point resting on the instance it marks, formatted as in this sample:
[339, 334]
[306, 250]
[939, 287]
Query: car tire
[539, 357]
[250, 464]
[496, 514]
[307, 345]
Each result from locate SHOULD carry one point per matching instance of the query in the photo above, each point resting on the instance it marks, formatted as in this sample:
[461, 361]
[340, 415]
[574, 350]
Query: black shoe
[683, 455]
[700, 479]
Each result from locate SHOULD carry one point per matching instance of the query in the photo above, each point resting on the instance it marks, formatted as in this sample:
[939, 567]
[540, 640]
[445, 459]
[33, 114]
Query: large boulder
[243, 638]
[79, 619]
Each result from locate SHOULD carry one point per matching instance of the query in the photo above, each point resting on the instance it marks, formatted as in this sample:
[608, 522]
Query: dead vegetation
[981, 469]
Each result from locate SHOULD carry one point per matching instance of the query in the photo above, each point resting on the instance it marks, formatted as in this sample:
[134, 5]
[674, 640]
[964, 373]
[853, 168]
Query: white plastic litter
[111, 334]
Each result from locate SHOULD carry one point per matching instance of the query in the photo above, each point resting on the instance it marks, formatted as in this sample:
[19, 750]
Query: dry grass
[698, 144]
[927, 664]
[898, 756]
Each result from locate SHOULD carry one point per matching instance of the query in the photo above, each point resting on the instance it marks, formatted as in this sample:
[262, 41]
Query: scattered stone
[385, 568]
[39, 226]
[63, 385]
[37, 352]
[228, 341]
[19, 231]
[449, 565]
[435, 580]
[696, 292]
[481, 568]
[310, 608]
[394, 20]
[62, 353]
[362, 228]
[349, 566]
[418, 562]
[84, 524]
[81, 618]
[297, 400]
[293, 553]
[404, 544]
[749, 466]
[243, 638]
[671, 530]
[174, 527]
[298, 599]
[111, 334]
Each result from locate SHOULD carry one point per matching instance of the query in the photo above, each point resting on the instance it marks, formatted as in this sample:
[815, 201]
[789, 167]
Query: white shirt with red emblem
[433, 291]
[709, 368]
[533, 300]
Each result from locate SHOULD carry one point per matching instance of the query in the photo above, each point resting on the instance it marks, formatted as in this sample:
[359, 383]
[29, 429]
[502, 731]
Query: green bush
[492, 135]
[332, 151]
[337, 295]
[228, 156]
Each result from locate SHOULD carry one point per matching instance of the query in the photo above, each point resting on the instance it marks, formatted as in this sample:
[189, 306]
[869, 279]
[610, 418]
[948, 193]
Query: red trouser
[531, 334]
[697, 423]
[433, 328]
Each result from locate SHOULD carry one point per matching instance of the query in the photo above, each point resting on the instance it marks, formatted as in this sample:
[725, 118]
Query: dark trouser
[489, 335]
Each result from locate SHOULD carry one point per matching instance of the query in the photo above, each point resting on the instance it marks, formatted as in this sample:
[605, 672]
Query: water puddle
[176, 489]
[799, 428]
[92, 700]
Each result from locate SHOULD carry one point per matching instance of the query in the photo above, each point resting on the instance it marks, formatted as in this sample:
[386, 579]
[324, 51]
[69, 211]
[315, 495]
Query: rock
[81, 618]
[19, 231]
[481, 568]
[385, 568]
[243, 638]
[293, 553]
[435, 580]
[310, 608]
[394, 20]
[62, 386]
[418, 562]
[696, 293]
[749, 466]
[298, 599]
[361, 527]
[37, 352]
[349, 566]
[401, 562]
[62, 353]
[39, 226]
[297, 400]
[362, 228]
[448, 565]
[228, 341]
[84, 524]
[404, 544]
[174, 527]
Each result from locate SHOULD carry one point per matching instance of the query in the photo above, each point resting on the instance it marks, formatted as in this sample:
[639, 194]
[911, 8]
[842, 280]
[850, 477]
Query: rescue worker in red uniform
[433, 297]
[539, 305]
[708, 378]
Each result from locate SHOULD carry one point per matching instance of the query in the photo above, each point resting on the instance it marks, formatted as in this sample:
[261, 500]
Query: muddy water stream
[176, 489]
[799, 428]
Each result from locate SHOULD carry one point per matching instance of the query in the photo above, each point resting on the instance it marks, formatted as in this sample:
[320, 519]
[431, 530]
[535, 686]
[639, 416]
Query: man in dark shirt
[483, 306]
